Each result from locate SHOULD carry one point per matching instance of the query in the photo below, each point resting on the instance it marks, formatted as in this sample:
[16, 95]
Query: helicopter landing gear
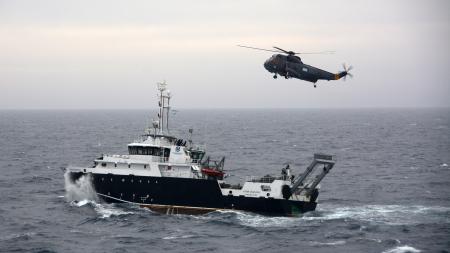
[315, 86]
[286, 76]
[275, 76]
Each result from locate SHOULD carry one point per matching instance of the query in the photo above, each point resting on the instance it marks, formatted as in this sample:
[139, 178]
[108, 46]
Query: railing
[118, 156]
[265, 179]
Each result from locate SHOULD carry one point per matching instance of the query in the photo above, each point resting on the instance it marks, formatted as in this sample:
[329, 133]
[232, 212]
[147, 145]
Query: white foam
[79, 190]
[403, 249]
[444, 165]
[256, 220]
[340, 242]
[388, 214]
[381, 214]
[103, 210]
[108, 210]
[172, 237]
[81, 193]
[80, 203]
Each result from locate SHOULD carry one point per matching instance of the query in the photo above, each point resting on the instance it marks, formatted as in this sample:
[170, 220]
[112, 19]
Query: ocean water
[389, 191]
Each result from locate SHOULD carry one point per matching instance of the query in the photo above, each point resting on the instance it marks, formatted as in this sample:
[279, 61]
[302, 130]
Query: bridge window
[154, 151]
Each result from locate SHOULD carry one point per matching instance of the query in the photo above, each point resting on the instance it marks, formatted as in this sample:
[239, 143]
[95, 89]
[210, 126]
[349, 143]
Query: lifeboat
[212, 172]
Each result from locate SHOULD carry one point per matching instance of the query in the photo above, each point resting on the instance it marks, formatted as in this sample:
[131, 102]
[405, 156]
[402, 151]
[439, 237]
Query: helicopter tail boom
[339, 75]
[343, 73]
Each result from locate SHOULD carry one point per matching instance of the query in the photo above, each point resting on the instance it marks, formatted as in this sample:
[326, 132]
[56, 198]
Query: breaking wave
[402, 249]
[103, 210]
[81, 193]
[79, 190]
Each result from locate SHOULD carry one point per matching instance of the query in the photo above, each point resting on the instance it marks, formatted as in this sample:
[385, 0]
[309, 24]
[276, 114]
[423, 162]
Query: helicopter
[288, 64]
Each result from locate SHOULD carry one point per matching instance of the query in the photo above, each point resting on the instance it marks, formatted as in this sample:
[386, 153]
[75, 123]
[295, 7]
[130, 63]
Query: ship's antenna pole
[190, 137]
[168, 109]
[161, 88]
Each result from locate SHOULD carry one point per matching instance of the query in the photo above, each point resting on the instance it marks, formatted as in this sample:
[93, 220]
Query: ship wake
[391, 215]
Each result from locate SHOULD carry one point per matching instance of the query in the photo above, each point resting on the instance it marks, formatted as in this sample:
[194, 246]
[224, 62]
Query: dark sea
[389, 191]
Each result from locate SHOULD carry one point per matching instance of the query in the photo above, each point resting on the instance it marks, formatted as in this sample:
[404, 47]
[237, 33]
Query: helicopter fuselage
[291, 66]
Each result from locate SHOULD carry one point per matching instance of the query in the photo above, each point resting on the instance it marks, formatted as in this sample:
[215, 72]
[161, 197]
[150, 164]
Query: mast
[164, 108]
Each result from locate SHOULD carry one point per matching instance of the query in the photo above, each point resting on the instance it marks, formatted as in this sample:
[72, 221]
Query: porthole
[132, 180]
[148, 181]
[140, 181]
[109, 193]
[103, 179]
[268, 194]
[230, 192]
[111, 180]
[129, 165]
[123, 179]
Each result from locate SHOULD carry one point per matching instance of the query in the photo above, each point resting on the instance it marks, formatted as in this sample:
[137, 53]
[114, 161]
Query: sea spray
[80, 189]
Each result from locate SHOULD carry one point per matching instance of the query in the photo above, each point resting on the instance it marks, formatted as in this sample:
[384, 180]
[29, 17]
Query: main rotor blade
[321, 52]
[287, 52]
[291, 52]
[262, 49]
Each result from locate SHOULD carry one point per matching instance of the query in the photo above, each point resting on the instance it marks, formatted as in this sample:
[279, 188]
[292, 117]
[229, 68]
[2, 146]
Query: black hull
[185, 195]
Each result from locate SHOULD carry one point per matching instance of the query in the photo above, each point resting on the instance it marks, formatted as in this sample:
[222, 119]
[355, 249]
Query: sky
[109, 54]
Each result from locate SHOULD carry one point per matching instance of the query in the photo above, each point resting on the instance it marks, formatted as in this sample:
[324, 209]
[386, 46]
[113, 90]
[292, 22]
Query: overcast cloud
[109, 54]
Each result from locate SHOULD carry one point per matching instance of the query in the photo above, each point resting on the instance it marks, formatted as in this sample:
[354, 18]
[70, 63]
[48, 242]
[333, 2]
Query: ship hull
[185, 195]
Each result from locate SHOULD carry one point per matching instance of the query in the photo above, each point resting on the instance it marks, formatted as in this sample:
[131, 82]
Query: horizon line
[224, 108]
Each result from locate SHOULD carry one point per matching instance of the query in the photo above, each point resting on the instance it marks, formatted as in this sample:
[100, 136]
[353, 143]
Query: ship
[172, 175]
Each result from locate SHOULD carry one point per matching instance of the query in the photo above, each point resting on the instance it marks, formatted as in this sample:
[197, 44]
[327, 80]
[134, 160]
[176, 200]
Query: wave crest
[403, 249]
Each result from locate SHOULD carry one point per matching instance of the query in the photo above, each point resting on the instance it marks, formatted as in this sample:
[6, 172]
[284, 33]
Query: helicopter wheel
[315, 86]
[275, 76]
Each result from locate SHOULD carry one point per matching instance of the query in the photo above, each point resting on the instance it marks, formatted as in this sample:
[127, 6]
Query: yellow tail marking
[336, 77]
